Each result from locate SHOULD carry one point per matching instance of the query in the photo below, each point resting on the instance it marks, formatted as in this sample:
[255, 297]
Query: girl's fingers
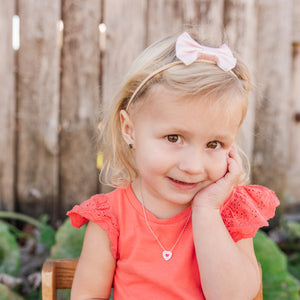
[233, 153]
[234, 166]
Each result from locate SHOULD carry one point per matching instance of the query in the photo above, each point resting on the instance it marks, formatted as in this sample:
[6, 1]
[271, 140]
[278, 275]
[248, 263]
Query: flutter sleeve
[247, 209]
[98, 210]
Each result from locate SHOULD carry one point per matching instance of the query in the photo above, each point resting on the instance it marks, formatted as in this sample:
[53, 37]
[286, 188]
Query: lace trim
[247, 209]
[97, 209]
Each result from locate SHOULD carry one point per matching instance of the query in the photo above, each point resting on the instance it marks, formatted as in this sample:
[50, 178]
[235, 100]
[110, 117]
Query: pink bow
[188, 50]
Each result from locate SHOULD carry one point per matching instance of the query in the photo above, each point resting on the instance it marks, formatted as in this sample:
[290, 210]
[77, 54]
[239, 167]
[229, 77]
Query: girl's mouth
[182, 184]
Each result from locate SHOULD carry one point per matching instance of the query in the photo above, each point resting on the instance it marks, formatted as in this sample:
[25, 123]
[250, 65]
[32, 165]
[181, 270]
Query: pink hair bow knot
[188, 50]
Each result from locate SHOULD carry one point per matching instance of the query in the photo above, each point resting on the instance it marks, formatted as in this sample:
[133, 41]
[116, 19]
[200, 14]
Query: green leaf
[9, 252]
[292, 229]
[35, 295]
[47, 236]
[47, 232]
[278, 283]
[44, 219]
[294, 264]
[7, 294]
[69, 241]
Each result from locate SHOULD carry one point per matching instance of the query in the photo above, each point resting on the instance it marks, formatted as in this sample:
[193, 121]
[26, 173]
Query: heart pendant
[167, 254]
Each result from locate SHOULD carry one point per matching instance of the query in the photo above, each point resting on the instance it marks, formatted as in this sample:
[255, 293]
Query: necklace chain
[167, 254]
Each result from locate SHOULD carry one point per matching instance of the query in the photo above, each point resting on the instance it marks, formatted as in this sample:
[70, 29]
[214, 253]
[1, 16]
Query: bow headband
[189, 51]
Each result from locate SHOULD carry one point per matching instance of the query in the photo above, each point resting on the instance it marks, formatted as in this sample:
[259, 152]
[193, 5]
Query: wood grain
[8, 107]
[38, 102]
[80, 101]
[240, 27]
[271, 153]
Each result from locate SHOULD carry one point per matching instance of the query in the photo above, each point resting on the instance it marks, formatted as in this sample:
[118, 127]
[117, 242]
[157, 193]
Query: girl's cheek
[225, 167]
[222, 167]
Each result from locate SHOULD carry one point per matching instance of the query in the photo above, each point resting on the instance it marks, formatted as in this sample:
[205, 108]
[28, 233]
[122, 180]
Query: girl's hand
[216, 193]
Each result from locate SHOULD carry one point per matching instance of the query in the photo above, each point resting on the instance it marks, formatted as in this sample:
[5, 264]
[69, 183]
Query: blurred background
[62, 60]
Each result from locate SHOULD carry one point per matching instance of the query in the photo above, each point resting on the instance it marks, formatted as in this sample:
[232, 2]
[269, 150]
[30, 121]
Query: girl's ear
[127, 127]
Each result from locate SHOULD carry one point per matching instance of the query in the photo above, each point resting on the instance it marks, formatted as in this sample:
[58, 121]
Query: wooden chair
[59, 273]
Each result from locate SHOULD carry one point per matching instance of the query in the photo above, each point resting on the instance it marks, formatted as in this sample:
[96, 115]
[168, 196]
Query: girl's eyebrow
[223, 137]
[176, 130]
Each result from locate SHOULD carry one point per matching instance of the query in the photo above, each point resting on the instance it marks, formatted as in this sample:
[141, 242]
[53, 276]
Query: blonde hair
[198, 78]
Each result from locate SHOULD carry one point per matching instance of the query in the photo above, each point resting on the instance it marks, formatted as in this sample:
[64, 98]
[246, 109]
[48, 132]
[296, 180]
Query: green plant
[9, 251]
[68, 241]
[47, 233]
[290, 244]
[7, 294]
[278, 283]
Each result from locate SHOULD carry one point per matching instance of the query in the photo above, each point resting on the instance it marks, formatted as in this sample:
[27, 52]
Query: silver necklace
[167, 254]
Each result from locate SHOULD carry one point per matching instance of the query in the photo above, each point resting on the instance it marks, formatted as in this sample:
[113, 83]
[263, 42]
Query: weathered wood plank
[164, 18]
[206, 16]
[240, 27]
[7, 107]
[80, 99]
[172, 17]
[296, 21]
[271, 155]
[38, 102]
[125, 39]
[293, 175]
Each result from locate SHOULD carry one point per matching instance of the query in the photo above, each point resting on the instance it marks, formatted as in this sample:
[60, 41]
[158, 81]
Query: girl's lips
[183, 185]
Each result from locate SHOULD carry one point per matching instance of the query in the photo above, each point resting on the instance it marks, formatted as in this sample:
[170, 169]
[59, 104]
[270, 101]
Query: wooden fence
[67, 66]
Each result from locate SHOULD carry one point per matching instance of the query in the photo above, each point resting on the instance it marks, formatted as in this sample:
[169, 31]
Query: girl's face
[181, 146]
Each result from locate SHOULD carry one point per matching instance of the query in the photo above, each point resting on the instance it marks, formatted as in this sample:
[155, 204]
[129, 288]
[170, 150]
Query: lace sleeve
[97, 209]
[247, 209]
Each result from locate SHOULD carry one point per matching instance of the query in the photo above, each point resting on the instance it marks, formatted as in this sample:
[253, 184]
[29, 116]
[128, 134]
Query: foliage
[294, 264]
[278, 283]
[287, 236]
[9, 251]
[69, 241]
[40, 240]
[7, 294]
[47, 233]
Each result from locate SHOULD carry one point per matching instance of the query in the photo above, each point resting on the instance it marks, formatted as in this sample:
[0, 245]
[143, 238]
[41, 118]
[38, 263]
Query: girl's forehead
[166, 113]
[163, 101]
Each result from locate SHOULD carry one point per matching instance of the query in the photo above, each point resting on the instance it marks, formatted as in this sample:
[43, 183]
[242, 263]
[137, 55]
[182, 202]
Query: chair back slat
[57, 274]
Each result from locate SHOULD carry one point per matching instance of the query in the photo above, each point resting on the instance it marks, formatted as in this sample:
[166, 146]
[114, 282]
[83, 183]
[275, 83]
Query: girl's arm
[228, 270]
[96, 266]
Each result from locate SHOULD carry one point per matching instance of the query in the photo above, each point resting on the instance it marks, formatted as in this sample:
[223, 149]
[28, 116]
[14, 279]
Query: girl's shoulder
[247, 209]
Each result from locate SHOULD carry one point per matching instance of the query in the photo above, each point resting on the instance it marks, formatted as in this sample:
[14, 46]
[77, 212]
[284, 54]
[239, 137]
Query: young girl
[180, 224]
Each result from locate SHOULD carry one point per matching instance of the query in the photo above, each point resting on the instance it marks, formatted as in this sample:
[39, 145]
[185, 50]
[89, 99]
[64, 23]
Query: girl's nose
[192, 162]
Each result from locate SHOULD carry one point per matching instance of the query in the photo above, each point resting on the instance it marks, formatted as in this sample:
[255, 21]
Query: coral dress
[141, 271]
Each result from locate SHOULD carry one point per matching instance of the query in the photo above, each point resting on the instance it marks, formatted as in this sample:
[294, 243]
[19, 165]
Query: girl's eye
[214, 145]
[173, 138]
